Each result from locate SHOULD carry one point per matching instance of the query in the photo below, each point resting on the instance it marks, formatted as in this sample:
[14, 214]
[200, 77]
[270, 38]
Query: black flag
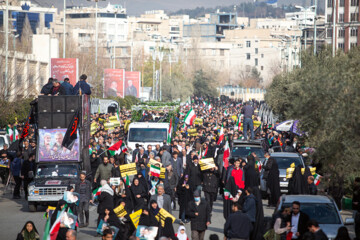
[71, 132]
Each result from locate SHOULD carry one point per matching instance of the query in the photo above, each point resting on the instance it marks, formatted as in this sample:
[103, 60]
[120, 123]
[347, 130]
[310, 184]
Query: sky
[136, 7]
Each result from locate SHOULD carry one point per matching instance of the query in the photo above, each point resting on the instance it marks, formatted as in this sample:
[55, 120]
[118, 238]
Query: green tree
[324, 96]
[204, 84]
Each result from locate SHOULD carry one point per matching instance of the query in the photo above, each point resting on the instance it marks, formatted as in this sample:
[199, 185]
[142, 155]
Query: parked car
[321, 208]
[241, 149]
[284, 160]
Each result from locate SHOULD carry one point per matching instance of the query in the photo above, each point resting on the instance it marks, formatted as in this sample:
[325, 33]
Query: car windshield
[47, 171]
[147, 134]
[244, 151]
[2, 142]
[323, 213]
[285, 162]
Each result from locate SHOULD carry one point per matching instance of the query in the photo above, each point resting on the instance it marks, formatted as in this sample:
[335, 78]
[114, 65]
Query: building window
[329, 18]
[214, 52]
[329, 3]
[18, 80]
[354, 32]
[354, 3]
[341, 17]
[341, 33]
[353, 45]
[262, 68]
[256, 62]
[329, 32]
[247, 68]
[341, 46]
[248, 44]
[262, 55]
[248, 56]
[256, 50]
[342, 3]
[354, 17]
[222, 51]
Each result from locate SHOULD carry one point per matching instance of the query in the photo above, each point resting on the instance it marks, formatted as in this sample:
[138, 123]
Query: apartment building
[347, 23]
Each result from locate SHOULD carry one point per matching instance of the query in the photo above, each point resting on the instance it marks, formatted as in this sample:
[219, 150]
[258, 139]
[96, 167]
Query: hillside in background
[136, 7]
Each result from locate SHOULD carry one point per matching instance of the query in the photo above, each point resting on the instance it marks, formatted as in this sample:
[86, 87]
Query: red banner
[65, 68]
[114, 82]
[132, 84]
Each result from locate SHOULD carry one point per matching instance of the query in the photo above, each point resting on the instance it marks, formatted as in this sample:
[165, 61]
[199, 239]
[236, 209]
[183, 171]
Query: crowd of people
[184, 185]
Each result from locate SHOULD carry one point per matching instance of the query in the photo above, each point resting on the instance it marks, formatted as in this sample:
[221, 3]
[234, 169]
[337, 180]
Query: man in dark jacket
[311, 185]
[67, 86]
[104, 170]
[83, 187]
[82, 87]
[314, 228]
[15, 168]
[57, 88]
[210, 185]
[199, 213]
[195, 175]
[46, 89]
[299, 221]
[28, 173]
[238, 224]
[248, 112]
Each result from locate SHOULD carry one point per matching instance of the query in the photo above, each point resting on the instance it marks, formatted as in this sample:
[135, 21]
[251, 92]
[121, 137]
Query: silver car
[320, 208]
[284, 160]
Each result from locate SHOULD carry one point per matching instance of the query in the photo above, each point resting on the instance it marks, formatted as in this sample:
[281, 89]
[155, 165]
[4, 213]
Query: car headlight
[32, 190]
[284, 179]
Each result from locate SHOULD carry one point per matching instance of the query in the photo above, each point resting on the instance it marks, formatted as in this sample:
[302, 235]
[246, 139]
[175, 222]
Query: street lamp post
[333, 29]
[6, 48]
[154, 59]
[315, 27]
[161, 57]
[64, 33]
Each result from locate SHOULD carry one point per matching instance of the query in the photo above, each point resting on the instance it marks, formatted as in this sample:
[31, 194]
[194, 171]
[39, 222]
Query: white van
[147, 133]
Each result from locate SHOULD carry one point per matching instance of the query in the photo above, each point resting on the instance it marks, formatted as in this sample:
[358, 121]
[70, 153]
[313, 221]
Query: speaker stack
[57, 111]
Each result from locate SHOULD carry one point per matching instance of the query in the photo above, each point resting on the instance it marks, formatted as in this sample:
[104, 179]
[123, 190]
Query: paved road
[14, 214]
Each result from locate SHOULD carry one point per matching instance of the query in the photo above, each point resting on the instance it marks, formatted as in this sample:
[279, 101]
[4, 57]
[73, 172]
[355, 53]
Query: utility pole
[96, 33]
[161, 57]
[115, 13]
[315, 27]
[334, 29]
[154, 59]
[6, 48]
[64, 37]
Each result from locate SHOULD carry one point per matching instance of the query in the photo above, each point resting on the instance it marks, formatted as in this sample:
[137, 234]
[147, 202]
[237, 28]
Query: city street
[14, 214]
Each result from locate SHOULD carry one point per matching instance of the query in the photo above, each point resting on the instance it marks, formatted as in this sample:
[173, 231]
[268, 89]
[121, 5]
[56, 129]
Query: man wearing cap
[199, 213]
[83, 187]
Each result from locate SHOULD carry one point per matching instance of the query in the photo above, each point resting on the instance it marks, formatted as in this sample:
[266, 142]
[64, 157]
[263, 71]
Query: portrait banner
[50, 146]
[114, 83]
[132, 84]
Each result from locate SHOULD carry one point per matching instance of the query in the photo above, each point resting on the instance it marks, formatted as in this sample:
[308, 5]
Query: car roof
[306, 199]
[255, 143]
[284, 154]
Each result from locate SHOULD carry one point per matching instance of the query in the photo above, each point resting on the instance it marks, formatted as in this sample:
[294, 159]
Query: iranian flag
[117, 148]
[317, 179]
[169, 132]
[117, 114]
[227, 195]
[127, 180]
[238, 123]
[10, 132]
[221, 136]
[190, 117]
[54, 230]
[16, 134]
[210, 108]
[259, 165]
[225, 113]
[96, 193]
[154, 171]
[204, 154]
[226, 155]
